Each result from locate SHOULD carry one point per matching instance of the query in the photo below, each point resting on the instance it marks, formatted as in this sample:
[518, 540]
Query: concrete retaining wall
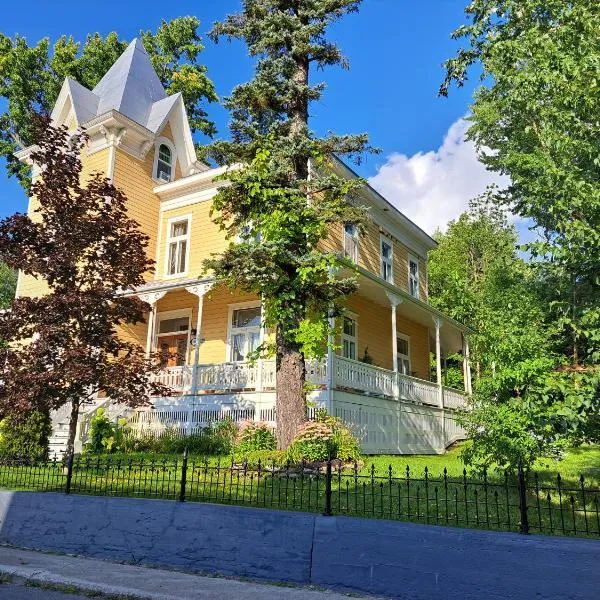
[399, 560]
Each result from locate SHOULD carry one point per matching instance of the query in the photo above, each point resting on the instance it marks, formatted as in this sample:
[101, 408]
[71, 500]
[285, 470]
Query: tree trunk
[290, 404]
[72, 427]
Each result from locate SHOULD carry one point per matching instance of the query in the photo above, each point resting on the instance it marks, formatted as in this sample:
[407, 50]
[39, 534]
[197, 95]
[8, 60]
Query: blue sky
[396, 49]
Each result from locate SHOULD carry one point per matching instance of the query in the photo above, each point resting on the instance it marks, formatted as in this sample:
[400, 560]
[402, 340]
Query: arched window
[164, 164]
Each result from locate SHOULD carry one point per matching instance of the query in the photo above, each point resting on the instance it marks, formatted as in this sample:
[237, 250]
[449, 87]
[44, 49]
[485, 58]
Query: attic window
[164, 164]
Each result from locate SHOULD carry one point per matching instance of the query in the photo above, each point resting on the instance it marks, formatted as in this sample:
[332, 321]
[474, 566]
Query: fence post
[327, 512]
[183, 476]
[524, 518]
[69, 472]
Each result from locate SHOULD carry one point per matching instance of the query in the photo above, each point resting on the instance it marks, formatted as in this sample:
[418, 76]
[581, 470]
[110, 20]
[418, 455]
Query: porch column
[467, 366]
[151, 298]
[394, 301]
[438, 360]
[200, 290]
[330, 366]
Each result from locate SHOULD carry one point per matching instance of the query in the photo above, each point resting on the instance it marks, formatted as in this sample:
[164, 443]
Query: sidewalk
[141, 582]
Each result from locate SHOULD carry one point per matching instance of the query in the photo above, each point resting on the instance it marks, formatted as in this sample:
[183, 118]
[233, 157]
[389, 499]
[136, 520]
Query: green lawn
[584, 460]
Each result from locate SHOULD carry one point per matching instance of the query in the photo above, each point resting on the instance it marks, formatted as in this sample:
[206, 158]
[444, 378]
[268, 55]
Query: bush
[26, 436]
[325, 437]
[266, 457]
[106, 436]
[252, 436]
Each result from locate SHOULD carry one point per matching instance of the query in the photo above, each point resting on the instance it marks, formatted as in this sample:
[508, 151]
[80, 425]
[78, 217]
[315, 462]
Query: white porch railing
[349, 375]
[355, 375]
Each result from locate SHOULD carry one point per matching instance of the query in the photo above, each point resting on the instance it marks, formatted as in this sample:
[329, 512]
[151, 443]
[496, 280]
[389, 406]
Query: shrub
[266, 457]
[252, 436]
[325, 437]
[106, 436]
[25, 437]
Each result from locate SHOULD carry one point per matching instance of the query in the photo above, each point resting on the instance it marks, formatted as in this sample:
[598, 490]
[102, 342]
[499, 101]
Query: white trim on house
[386, 262]
[188, 238]
[230, 309]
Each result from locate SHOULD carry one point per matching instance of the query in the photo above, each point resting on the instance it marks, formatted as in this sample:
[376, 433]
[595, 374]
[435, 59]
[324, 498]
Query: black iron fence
[520, 501]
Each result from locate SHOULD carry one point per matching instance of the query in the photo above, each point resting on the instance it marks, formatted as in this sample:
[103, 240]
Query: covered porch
[203, 336]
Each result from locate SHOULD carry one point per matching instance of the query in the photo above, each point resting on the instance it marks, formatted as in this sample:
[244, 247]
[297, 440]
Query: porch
[343, 374]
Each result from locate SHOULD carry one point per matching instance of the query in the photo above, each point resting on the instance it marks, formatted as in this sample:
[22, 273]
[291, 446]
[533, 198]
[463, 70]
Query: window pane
[414, 268]
[237, 347]
[349, 327]
[174, 325]
[246, 317]
[164, 153]
[172, 259]
[352, 351]
[403, 346]
[163, 171]
[350, 229]
[179, 228]
[253, 341]
[386, 250]
[182, 256]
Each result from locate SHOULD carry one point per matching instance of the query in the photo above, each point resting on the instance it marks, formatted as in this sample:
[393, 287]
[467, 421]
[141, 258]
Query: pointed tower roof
[131, 85]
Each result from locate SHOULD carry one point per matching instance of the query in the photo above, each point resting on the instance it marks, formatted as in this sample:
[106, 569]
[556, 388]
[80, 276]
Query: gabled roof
[131, 87]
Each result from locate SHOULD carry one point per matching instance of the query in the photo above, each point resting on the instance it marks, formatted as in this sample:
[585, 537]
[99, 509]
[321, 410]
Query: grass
[372, 490]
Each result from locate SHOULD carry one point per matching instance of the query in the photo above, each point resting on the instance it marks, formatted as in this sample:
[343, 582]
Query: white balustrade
[454, 398]
[417, 390]
[177, 379]
[347, 374]
[359, 376]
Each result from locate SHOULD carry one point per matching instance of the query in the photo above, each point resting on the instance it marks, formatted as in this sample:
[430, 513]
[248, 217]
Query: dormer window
[164, 164]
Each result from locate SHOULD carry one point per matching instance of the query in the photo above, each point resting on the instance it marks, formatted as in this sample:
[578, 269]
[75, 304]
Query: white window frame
[417, 279]
[174, 314]
[383, 239]
[352, 252]
[349, 338]
[167, 142]
[188, 237]
[405, 337]
[230, 329]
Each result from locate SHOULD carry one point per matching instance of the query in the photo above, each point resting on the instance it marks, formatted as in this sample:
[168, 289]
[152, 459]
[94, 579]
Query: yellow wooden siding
[134, 178]
[374, 329]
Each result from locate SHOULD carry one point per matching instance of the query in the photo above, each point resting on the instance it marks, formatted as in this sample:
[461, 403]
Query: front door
[172, 350]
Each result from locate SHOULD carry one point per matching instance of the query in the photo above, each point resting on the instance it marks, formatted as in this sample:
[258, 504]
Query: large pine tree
[285, 196]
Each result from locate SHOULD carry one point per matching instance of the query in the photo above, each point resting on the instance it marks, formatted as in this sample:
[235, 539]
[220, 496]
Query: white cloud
[432, 188]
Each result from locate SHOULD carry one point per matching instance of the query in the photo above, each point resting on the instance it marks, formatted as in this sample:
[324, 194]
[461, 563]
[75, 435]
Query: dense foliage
[536, 119]
[31, 77]
[286, 192]
[323, 438]
[63, 346]
[25, 436]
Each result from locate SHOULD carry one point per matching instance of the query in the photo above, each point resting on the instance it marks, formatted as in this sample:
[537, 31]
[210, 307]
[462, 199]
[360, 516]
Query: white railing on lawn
[349, 375]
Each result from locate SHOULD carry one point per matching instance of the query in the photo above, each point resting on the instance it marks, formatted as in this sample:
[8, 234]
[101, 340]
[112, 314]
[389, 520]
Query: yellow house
[377, 379]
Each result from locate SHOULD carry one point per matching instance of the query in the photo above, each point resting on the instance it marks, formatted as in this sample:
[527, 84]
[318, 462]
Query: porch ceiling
[378, 291]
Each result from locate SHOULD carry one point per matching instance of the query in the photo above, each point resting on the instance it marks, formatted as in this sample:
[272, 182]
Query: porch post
[438, 360]
[394, 301]
[467, 367]
[152, 299]
[329, 367]
[200, 289]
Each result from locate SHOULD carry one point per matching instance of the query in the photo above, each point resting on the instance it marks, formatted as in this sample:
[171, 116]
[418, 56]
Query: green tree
[8, 285]
[31, 77]
[287, 193]
[536, 119]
